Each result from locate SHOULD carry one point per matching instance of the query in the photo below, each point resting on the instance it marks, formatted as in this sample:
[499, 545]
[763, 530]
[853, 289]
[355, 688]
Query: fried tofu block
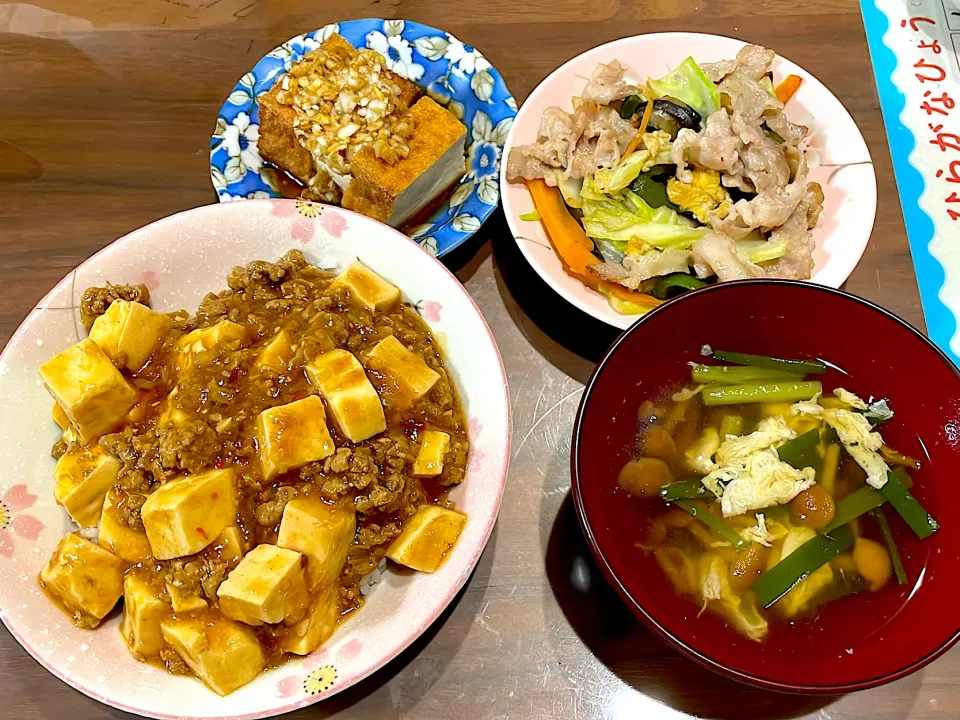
[278, 141]
[351, 398]
[89, 388]
[83, 476]
[395, 193]
[278, 354]
[117, 536]
[214, 337]
[183, 601]
[366, 287]
[316, 628]
[129, 332]
[143, 611]
[409, 374]
[60, 417]
[183, 516]
[323, 533]
[292, 435]
[427, 538]
[268, 586]
[433, 446]
[225, 655]
[86, 579]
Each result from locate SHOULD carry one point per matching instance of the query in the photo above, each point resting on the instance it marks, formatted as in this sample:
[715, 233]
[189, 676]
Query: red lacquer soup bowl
[853, 643]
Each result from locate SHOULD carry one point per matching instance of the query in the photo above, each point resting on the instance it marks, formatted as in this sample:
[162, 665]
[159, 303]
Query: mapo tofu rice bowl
[237, 480]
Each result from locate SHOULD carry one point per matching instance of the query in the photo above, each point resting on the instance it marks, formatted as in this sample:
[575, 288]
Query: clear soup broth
[762, 511]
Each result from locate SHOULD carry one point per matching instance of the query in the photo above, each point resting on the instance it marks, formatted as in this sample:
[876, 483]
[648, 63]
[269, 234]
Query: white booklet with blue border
[914, 46]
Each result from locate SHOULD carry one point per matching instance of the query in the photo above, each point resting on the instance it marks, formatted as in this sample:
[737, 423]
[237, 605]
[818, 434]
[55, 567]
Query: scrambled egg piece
[850, 399]
[861, 442]
[750, 474]
[759, 533]
[805, 592]
[703, 196]
[658, 144]
[878, 410]
[741, 612]
[808, 407]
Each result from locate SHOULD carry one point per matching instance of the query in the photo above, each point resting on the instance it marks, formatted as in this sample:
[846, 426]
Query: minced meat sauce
[221, 395]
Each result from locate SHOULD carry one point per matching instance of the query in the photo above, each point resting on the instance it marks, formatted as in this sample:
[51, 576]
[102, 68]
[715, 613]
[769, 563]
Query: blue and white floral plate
[452, 73]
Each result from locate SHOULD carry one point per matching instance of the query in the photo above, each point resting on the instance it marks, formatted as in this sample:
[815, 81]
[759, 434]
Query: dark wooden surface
[106, 113]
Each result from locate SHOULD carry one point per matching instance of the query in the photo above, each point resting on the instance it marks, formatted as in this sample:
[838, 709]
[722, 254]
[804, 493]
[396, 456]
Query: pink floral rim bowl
[180, 259]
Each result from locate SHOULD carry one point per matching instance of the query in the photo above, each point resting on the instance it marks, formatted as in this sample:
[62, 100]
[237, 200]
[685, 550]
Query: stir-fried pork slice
[717, 71]
[637, 269]
[791, 133]
[797, 263]
[715, 147]
[592, 137]
[607, 85]
[720, 253]
[765, 166]
[768, 210]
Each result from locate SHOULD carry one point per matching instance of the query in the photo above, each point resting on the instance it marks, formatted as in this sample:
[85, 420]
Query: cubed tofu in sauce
[90, 389]
[247, 468]
[85, 579]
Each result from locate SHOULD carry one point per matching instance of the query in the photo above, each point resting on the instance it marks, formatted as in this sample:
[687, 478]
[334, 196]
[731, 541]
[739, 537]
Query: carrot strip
[787, 88]
[572, 245]
[644, 121]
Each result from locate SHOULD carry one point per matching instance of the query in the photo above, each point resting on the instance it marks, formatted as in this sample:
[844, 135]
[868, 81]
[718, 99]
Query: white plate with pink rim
[840, 160]
[181, 258]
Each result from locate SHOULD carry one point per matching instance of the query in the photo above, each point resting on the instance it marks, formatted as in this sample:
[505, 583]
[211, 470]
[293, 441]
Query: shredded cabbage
[632, 219]
[614, 180]
[689, 84]
[758, 251]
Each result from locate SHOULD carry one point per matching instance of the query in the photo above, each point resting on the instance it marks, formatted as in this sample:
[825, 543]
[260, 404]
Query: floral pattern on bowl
[454, 74]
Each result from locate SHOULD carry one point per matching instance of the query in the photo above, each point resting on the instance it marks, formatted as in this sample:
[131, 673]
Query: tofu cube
[83, 476]
[433, 447]
[171, 413]
[323, 533]
[89, 388]
[351, 398]
[86, 579]
[184, 601]
[292, 435]
[60, 417]
[129, 332]
[268, 586]
[278, 353]
[183, 516]
[223, 654]
[215, 337]
[143, 611]
[317, 627]
[230, 544]
[366, 288]
[410, 378]
[427, 538]
[117, 536]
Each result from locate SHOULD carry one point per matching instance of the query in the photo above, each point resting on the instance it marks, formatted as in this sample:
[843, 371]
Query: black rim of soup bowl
[638, 609]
